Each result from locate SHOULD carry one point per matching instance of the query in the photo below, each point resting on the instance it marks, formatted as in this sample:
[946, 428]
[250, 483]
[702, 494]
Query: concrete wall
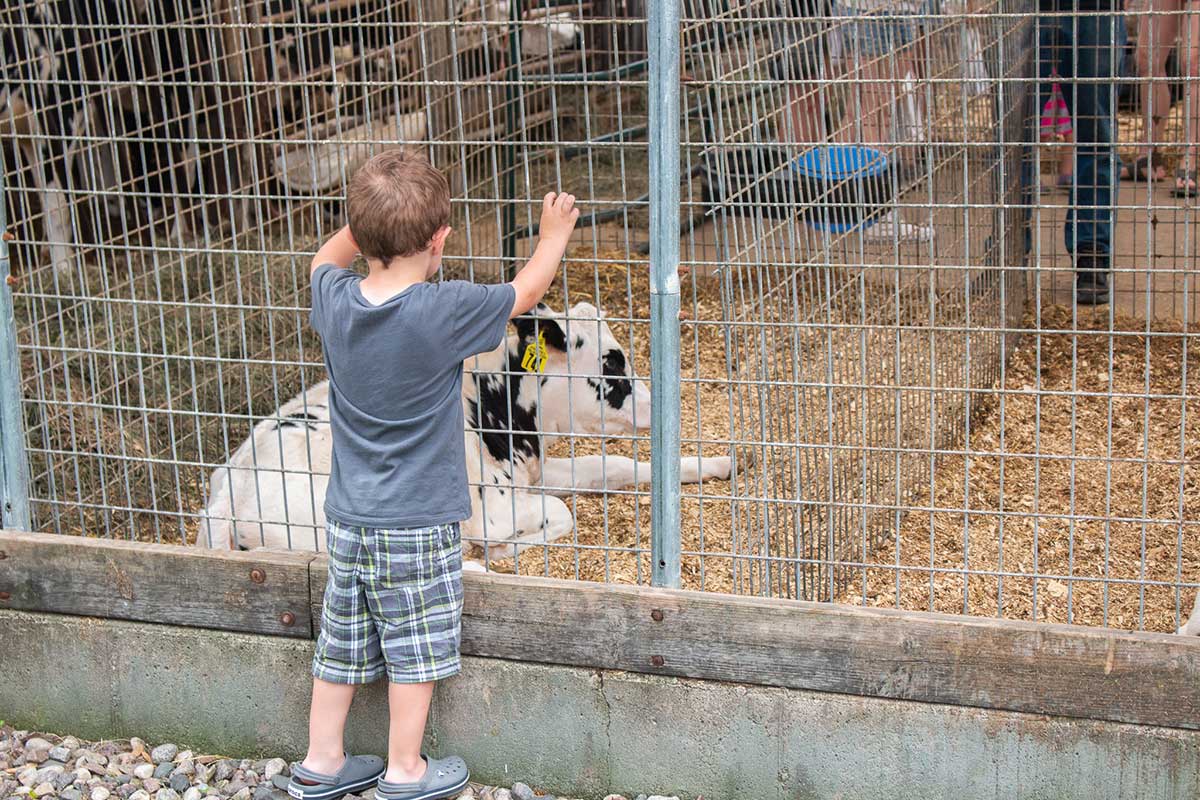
[581, 732]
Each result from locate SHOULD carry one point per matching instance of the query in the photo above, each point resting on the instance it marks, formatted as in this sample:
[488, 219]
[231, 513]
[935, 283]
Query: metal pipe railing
[663, 19]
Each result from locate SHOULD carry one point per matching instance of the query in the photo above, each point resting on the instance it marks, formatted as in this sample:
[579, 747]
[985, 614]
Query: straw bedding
[1124, 510]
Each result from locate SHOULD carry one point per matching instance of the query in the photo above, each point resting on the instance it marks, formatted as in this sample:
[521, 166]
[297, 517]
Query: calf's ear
[530, 325]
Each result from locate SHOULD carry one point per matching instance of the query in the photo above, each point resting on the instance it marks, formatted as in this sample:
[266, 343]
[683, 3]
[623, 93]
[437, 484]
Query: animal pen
[914, 414]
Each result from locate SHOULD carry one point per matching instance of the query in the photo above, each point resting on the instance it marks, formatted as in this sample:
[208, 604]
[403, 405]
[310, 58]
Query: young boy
[394, 348]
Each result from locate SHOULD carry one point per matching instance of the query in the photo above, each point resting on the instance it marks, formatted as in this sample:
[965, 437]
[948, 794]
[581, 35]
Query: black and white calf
[272, 491]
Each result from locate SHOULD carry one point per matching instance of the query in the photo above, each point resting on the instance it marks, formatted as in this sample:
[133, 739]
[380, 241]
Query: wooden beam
[329, 6]
[280, 17]
[254, 592]
[318, 573]
[1060, 670]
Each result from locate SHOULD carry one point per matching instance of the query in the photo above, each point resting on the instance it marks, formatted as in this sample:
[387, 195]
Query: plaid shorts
[393, 605]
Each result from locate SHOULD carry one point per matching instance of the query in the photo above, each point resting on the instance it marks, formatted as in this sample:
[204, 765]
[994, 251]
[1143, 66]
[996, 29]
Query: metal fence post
[14, 468]
[663, 96]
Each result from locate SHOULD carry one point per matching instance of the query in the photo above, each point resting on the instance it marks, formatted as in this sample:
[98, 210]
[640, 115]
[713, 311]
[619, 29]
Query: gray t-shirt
[395, 395]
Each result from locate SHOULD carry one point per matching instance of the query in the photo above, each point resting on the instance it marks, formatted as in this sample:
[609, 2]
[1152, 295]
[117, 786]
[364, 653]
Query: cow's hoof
[473, 566]
[501, 552]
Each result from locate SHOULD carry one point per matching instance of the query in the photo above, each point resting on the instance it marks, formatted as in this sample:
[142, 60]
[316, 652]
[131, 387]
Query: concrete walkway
[1156, 243]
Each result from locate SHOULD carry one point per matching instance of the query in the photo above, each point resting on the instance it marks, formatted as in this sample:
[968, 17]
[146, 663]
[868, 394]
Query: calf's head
[588, 385]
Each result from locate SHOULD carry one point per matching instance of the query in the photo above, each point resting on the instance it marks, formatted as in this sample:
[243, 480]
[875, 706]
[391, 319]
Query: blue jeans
[1078, 49]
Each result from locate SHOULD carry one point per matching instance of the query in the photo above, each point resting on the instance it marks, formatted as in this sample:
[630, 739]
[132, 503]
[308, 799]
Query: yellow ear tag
[535, 356]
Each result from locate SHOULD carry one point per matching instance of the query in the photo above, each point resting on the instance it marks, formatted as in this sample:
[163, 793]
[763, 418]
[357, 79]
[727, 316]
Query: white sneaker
[890, 229]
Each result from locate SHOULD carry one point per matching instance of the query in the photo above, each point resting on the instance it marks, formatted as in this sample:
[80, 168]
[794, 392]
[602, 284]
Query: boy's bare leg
[326, 725]
[408, 706]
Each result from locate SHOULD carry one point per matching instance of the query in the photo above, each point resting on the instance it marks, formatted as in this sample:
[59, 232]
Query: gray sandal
[356, 774]
[444, 777]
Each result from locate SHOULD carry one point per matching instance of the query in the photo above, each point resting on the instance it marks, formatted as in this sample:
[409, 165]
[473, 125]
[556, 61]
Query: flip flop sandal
[1188, 176]
[444, 777]
[356, 774]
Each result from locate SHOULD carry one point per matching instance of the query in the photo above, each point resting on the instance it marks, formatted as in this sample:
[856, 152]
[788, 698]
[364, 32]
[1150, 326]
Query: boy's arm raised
[340, 250]
[558, 221]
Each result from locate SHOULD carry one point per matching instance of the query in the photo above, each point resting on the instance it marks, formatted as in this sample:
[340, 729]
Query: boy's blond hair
[396, 202]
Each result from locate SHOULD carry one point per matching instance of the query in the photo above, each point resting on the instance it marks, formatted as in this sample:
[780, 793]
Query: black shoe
[1091, 279]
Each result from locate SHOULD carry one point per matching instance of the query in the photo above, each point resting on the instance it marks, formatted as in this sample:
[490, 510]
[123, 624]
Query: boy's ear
[539, 321]
[439, 238]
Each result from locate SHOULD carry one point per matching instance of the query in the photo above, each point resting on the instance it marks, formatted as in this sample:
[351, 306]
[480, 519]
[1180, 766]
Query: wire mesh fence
[858, 333]
[889, 396]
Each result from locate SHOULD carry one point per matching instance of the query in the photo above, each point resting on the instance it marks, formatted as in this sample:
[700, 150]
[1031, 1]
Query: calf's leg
[564, 476]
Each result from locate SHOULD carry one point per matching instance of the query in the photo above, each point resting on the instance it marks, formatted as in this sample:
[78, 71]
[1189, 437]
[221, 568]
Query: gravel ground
[43, 765]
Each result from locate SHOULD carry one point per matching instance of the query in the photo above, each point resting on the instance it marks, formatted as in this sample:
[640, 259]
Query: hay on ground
[1057, 504]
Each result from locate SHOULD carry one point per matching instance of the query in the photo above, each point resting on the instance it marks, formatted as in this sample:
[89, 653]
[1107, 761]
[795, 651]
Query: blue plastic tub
[850, 179]
[839, 162]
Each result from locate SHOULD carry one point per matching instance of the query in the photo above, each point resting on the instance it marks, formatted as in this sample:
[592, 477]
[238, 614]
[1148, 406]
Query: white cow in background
[541, 35]
[271, 492]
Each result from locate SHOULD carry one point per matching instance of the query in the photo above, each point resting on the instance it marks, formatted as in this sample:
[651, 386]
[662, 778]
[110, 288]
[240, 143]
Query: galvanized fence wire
[169, 177]
[836, 308]
[932, 424]
[887, 395]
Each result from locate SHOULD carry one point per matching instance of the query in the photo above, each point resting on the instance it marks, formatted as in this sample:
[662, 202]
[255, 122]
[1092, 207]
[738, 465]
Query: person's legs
[415, 597]
[881, 48]
[879, 52]
[879, 129]
[347, 654]
[917, 61]
[1066, 159]
[408, 707]
[1049, 43]
[865, 120]
[807, 106]
[1097, 42]
[904, 109]
[1189, 51]
[1156, 36]
[327, 725]
[800, 62]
